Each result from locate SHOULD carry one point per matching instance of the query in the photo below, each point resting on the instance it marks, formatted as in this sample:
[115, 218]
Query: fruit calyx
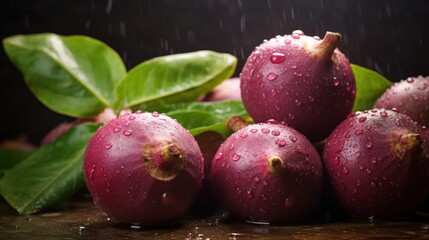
[407, 146]
[275, 164]
[236, 123]
[163, 160]
[327, 46]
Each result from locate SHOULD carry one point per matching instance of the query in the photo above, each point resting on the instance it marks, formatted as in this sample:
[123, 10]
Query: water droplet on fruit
[368, 145]
[243, 135]
[293, 138]
[131, 117]
[128, 133]
[281, 142]
[236, 157]
[316, 38]
[257, 179]
[359, 132]
[361, 167]
[249, 194]
[116, 129]
[265, 130]
[358, 183]
[277, 58]
[362, 119]
[288, 41]
[368, 171]
[289, 202]
[358, 154]
[295, 36]
[272, 76]
[108, 146]
[345, 170]
[337, 160]
[298, 102]
[275, 132]
[336, 83]
[92, 171]
[218, 156]
[294, 66]
[299, 32]
[373, 184]
[410, 80]
[253, 130]
[155, 114]
[291, 116]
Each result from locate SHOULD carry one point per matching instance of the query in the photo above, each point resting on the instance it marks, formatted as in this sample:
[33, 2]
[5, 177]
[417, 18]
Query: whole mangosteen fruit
[301, 80]
[410, 97]
[378, 164]
[267, 173]
[143, 168]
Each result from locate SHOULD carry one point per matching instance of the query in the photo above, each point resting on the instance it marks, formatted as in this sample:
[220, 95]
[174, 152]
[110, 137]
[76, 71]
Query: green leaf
[174, 78]
[370, 85]
[49, 176]
[9, 158]
[200, 117]
[72, 75]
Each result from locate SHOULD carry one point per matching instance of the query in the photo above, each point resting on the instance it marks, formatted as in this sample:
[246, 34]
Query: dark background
[391, 37]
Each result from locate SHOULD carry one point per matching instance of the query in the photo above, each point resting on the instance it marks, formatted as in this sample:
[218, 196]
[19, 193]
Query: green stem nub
[328, 44]
[163, 161]
[408, 146]
[275, 164]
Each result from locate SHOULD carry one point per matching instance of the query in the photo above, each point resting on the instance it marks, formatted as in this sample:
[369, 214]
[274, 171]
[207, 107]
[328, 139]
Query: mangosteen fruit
[227, 90]
[267, 173]
[143, 169]
[410, 97]
[378, 164]
[301, 80]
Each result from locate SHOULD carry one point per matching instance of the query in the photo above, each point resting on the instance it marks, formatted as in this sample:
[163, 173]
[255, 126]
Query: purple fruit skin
[120, 183]
[367, 177]
[283, 79]
[227, 90]
[245, 187]
[410, 97]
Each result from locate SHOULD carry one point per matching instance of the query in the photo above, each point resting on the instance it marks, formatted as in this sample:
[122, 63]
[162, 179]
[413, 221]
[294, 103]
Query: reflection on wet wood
[84, 220]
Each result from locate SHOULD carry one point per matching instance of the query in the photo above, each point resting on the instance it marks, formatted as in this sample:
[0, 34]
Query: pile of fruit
[301, 144]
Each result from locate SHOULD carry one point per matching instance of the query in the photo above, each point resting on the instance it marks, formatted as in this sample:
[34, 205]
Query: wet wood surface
[84, 220]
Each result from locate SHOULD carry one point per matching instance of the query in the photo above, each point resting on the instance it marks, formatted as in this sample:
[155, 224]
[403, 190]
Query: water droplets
[281, 142]
[218, 156]
[272, 76]
[345, 170]
[108, 146]
[131, 117]
[275, 132]
[277, 57]
[368, 145]
[293, 138]
[127, 133]
[155, 114]
[236, 157]
[117, 129]
[265, 130]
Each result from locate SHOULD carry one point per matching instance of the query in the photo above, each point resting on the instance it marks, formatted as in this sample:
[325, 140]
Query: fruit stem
[328, 44]
[408, 146]
[274, 164]
[164, 161]
[235, 123]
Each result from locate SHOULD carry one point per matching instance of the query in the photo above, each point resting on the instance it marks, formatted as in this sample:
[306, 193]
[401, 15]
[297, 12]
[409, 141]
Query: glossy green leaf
[370, 85]
[49, 176]
[200, 117]
[72, 75]
[9, 158]
[174, 78]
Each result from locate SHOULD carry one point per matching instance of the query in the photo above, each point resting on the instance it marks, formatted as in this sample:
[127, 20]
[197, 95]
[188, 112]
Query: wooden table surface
[84, 220]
